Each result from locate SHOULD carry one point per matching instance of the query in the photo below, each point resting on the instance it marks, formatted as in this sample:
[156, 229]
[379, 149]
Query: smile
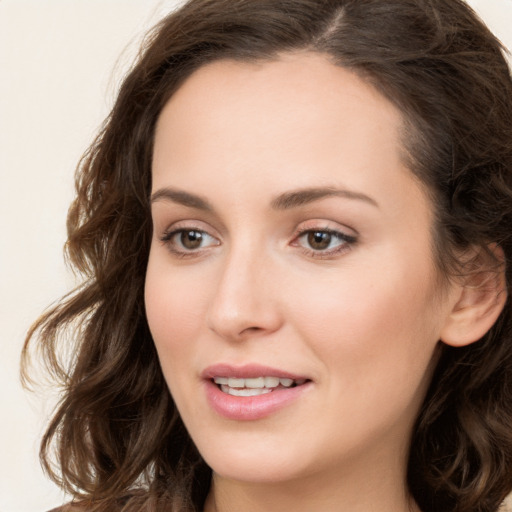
[254, 386]
[252, 391]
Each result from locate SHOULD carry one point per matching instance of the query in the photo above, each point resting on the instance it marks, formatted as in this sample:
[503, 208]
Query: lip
[255, 407]
[247, 371]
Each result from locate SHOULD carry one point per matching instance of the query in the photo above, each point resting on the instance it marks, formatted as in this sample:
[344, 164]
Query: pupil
[319, 239]
[191, 239]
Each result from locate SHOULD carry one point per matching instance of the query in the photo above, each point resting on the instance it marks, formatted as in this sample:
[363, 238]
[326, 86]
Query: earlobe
[479, 300]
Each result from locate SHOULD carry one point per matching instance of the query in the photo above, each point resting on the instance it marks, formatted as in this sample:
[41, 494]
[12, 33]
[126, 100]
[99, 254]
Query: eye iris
[191, 239]
[319, 239]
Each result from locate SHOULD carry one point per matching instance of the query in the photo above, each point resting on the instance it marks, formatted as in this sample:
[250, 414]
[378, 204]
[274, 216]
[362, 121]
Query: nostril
[252, 329]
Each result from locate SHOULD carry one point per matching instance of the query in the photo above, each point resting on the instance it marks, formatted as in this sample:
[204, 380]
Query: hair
[120, 443]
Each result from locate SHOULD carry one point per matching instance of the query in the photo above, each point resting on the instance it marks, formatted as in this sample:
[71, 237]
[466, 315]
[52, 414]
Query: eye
[184, 241]
[319, 240]
[323, 242]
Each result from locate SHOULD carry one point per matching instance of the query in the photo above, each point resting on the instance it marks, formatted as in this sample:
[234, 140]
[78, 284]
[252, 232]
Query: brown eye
[324, 243]
[319, 240]
[188, 241]
[191, 239]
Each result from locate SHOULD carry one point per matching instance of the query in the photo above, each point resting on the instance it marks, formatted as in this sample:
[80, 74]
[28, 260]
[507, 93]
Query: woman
[296, 233]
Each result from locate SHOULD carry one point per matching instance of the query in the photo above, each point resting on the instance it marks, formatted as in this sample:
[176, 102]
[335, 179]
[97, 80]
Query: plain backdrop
[60, 65]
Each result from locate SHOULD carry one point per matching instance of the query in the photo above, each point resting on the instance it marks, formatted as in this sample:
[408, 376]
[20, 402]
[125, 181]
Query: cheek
[174, 309]
[378, 325]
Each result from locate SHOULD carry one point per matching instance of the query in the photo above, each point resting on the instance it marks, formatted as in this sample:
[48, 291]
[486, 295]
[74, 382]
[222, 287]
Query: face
[291, 287]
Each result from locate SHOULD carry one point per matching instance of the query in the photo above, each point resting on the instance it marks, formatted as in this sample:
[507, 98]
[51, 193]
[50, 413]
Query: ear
[478, 299]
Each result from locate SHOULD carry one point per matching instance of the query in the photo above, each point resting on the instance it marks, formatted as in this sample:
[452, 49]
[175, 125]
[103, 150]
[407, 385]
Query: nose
[245, 303]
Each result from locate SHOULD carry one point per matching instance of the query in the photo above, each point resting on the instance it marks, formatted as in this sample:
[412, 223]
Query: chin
[255, 471]
[254, 462]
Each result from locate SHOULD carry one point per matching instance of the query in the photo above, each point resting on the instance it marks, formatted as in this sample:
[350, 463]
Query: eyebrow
[183, 198]
[296, 198]
[285, 201]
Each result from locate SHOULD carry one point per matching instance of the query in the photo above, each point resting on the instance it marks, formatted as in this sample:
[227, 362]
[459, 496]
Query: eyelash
[167, 240]
[345, 242]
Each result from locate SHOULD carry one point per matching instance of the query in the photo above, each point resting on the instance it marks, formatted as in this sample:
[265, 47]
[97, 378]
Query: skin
[363, 323]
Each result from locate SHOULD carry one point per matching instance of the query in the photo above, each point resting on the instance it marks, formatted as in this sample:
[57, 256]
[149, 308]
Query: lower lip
[248, 408]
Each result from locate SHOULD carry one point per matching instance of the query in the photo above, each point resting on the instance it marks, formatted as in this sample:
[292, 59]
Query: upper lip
[247, 371]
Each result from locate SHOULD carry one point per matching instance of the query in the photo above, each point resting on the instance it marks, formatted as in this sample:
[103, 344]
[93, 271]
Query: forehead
[304, 84]
[298, 119]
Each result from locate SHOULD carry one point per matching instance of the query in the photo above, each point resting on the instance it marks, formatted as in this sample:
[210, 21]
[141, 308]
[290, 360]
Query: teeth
[245, 391]
[256, 384]
[271, 382]
[259, 382]
[236, 383]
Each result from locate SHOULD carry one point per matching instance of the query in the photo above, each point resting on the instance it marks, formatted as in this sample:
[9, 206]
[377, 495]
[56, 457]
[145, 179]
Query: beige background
[60, 63]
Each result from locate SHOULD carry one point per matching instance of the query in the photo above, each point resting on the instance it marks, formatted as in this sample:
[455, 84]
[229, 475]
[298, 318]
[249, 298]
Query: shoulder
[506, 506]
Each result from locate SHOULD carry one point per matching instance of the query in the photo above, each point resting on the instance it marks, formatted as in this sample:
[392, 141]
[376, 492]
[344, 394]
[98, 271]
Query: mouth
[252, 391]
[255, 386]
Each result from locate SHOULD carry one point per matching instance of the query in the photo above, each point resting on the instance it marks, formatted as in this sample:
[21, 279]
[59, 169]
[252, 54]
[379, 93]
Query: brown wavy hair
[119, 441]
